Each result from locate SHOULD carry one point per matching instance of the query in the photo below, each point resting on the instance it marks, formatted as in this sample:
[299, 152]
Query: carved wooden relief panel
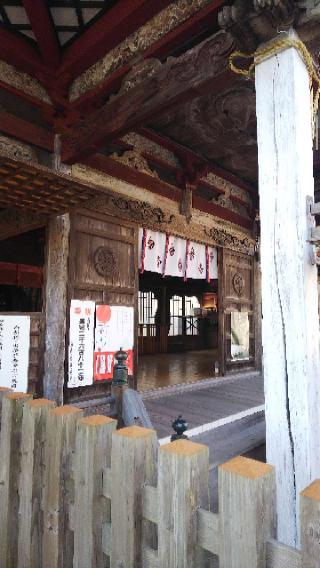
[236, 317]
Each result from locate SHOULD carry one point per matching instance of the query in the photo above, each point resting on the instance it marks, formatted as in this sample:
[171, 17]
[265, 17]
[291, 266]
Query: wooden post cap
[134, 432]
[40, 402]
[96, 420]
[18, 396]
[246, 467]
[64, 410]
[312, 491]
[5, 389]
[184, 448]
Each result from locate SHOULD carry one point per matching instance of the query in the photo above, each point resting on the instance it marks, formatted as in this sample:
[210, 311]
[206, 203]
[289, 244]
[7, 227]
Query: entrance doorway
[178, 331]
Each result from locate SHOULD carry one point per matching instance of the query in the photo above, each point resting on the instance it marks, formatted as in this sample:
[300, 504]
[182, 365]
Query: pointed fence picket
[78, 493]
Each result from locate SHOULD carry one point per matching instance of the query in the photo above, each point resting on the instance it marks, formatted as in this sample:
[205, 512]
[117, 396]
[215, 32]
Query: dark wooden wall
[102, 267]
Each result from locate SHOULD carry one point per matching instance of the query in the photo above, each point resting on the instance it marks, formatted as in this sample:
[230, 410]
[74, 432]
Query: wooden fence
[77, 492]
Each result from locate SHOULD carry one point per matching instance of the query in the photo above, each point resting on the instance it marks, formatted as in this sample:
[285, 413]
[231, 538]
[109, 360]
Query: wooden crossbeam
[43, 29]
[18, 52]
[112, 28]
[172, 84]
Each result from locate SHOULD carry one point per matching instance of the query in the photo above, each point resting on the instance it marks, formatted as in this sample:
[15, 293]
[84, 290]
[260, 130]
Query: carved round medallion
[238, 283]
[104, 261]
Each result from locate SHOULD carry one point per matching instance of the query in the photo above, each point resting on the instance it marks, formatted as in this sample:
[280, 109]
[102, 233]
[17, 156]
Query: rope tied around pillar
[275, 47]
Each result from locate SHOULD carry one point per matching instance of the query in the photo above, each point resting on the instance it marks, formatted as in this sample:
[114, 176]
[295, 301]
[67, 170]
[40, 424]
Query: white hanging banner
[196, 261]
[114, 330]
[213, 263]
[14, 352]
[154, 252]
[81, 343]
[176, 257]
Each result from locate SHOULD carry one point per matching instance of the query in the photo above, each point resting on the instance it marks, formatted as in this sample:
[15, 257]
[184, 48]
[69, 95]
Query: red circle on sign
[103, 313]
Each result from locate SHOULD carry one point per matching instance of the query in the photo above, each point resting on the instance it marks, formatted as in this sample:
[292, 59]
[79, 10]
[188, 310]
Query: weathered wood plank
[57, 545]
[3, 392]
[10, 467]
[107, 483]
[183, 485]
[282, 556]
[310, 525]
[247, 512]
[290, 325]
[150, 558]
[134, 459]
[33, 439]
[134, 410]
[91, 508]
[208, 531]
[150, 504]
[55, 299]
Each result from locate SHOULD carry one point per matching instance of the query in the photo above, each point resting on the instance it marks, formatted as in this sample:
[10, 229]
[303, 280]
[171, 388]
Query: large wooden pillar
[290, 327]
[55, 306]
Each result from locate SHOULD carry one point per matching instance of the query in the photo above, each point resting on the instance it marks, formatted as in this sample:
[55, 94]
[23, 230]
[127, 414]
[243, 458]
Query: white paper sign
[114, 329]
[14, 352]
[81, 340]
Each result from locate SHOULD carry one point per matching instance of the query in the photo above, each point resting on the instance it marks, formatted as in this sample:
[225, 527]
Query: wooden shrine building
[129, 179]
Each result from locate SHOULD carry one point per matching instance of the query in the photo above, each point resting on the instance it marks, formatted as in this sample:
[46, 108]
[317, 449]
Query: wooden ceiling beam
[178, 149]
[196, 25]
[121, 171]
[130, 175]
[43, 29]
[26, 131]
[109, 30]
[173, 83]
[19, 52]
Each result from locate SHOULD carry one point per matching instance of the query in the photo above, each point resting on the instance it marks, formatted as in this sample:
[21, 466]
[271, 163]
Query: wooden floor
[204, 403]
[166, 369]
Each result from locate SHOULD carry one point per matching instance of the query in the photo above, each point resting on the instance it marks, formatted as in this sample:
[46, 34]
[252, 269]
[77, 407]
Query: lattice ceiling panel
[39, 190]
[69, 17]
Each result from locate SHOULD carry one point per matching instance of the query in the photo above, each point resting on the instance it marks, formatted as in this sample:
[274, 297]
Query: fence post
[3, 392]
[310, 525]
[10, 465]
[247, 512]
[133, 463]
[93, 452]
[35, 413]
[183, 486]
[58, 494]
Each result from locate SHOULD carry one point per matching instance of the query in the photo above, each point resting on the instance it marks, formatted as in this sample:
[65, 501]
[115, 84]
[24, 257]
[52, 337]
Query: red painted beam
[38, 103]
[130, 175]
[221, 212]
[18, 52]
[177, 149]
[110, 30]
[23, 275]
[43, 28]
[26, 131]
[121, 171]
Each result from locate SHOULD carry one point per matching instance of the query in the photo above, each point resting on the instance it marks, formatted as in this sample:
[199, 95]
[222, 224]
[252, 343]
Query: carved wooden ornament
[104, 261]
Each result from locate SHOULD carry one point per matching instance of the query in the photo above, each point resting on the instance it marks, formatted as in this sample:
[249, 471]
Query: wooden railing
[77, 492]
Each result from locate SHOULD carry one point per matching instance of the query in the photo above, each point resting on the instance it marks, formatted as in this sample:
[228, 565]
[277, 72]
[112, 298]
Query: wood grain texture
[246, 511]
[3, 392]
[10, 467]
[91, 508]
[290, 325]
[56, 306]
[310, 525]
[134, 459]
[57, 547]
[208, 531]
[282, 556]
[183, 485]
[31, 482]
